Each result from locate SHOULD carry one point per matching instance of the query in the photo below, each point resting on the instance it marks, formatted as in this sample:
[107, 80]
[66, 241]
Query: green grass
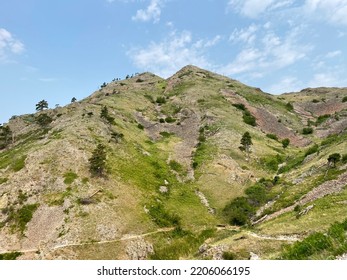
[3, 180]
[180, 244]
[176, 166]
[18, 164]
[70, 177]
[19, 218]
[10, 256]
[333, 242]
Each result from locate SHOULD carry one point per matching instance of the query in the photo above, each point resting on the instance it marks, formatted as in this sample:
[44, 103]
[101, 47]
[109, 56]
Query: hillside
[176, 184]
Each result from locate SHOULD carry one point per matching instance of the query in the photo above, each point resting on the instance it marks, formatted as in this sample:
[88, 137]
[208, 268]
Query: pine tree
[333, 159]
[98, 161]
[5, 136]
[43, 104]
[246, 143]
[73, 100]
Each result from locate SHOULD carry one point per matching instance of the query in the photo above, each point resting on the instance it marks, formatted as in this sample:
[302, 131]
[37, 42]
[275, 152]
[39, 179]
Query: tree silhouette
[5, 136]
[285, 143]
[73, 100]
[98, 161]
[246, 143]
[333, 159]
[43, 104]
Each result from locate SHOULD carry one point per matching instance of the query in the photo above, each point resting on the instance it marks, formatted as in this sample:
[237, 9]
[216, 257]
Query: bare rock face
[139, 249]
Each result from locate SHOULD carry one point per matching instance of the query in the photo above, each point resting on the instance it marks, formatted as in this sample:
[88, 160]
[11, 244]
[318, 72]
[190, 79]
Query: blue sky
[56, 50]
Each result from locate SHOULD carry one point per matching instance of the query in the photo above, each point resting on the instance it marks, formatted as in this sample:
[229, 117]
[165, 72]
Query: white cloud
[152, 12]
[255, 8]
[333, 11]
[286, 84]
[333, 54]
[245, 35]
[328, 79]
[269, 54]
[9, 45]
[168, 56]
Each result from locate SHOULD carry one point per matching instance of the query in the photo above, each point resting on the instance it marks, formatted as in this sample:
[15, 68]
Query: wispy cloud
[151, 13]
[255, 8]
[267, 54]
[333, 11]
[9, 45]
[172, 53]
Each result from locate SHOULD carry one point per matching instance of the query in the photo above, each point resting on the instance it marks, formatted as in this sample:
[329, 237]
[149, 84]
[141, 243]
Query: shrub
[170, 119]
[285, 143]
[238, 211]
[322, 119]
[161, 100]
[175, 166]
[24, 215]
[256, 194]
[105, 115]
[248, 118]
[240, 106]
[272, 136]
[161, 217]
[344, 99]
[19, 163]
[312, 150]
[344, 158]
[289, 106]
[307, 130]
[140, 126]
[315, 101]
[228, 256]
[43, 120]
[10, 256]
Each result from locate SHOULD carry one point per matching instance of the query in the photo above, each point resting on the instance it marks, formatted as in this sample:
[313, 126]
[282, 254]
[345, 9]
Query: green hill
[176, 182]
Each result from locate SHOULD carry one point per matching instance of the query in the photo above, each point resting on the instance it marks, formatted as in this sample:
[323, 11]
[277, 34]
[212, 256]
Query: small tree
[104, 115]
[44, 120]
[43, 104]
[285, 143]
[5, 136]
[73, 100]
[333, 159]
[246, 143]
[98, 161]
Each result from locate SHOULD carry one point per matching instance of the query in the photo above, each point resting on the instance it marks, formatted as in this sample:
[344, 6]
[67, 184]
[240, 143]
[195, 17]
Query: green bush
[307, 130]
[344, 158]
[161, 100]
[174, 165]
[285, 143]
[24, 216]
[312, 150]
[240, 106]
[302, 250]
[344, 99]
[228, 256]
[248, 118]
[10, 256]
[140, 126]
[239, 211]
[315, 101]
[272, 136]
[289, 106]
[257, 194]
[322, 119]
[161, 217]
[170, 119]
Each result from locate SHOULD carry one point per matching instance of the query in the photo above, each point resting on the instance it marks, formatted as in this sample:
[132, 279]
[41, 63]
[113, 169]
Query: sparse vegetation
[272, 136]
[70, 177]
[285, 143]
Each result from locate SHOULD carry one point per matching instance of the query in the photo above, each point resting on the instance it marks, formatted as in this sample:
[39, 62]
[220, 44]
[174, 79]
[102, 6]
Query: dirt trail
[291, 238]
[124, 238]
[329, 187]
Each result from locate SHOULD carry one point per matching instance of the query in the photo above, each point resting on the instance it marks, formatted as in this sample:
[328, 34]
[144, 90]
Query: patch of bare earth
[330, 187]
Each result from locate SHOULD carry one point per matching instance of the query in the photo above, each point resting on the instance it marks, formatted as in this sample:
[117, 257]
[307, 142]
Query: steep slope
[173, 165]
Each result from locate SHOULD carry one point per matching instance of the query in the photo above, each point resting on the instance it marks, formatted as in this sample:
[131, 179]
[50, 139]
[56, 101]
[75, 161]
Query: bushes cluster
[248, 118]
[334, 242]
[307, 130]
[105, 115]
[241, 209]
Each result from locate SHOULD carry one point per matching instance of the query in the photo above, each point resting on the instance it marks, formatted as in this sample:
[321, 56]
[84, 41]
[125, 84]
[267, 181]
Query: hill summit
[196, 166]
